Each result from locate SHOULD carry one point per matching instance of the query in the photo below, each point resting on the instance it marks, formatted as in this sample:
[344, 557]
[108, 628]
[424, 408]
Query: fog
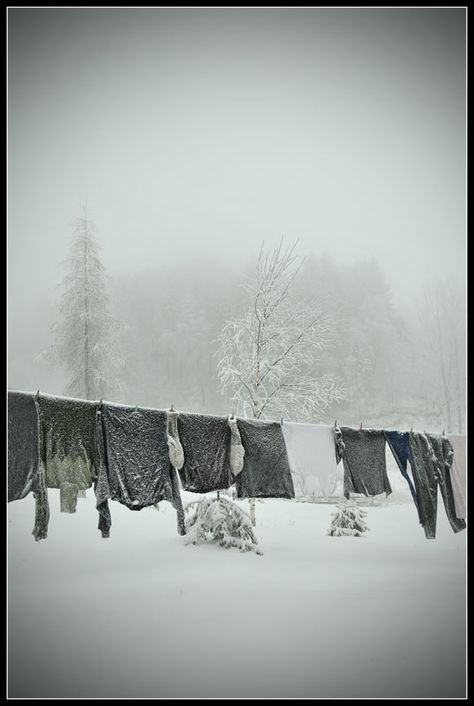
[194, 135]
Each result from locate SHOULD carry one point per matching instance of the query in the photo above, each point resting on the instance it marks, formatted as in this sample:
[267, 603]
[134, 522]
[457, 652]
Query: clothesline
[139, 456]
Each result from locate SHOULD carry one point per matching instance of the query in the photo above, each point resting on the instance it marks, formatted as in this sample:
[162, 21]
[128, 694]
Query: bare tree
[265, 354]
[85, 332]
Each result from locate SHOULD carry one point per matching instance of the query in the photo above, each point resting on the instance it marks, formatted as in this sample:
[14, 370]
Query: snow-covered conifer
[348, 520]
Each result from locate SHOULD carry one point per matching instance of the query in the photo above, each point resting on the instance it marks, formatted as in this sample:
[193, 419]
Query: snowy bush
[348, 520]
[222, 521]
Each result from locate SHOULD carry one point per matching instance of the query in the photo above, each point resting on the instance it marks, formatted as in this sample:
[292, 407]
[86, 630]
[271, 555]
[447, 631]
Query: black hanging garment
[22, 444]
[266, 470]
[134, 468]
[444, 454]
[206, 445]
[363, 457]
[398, 443]
[68, 452]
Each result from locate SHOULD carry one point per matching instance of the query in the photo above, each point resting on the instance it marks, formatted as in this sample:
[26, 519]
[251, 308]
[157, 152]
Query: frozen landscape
[141, 615]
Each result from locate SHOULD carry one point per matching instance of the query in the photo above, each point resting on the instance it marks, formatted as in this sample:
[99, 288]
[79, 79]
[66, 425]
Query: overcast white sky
[198, 133]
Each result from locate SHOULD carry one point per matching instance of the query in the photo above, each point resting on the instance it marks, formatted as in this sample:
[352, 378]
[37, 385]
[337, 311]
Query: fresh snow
[142, 614]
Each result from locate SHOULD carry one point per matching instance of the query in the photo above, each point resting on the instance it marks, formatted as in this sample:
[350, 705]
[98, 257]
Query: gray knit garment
[266, 471]
[68, 453]
[22, 444]
[444, 453]
[205, 442]
[363, 456]
[134, 466]
[424, 470]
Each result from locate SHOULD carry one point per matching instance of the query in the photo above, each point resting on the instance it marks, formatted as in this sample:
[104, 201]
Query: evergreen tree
[222, 521]
[85, 333]
[348, 520]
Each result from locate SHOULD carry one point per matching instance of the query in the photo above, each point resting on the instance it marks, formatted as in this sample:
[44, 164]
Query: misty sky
[198, 133]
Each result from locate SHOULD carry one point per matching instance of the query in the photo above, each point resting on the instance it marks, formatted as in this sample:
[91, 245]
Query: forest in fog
[397, 365]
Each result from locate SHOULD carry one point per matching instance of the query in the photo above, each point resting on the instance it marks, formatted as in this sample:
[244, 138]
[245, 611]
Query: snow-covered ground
[143, 615]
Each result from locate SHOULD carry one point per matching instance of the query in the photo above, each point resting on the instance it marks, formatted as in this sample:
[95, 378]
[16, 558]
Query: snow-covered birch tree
[265, 356]
[85, 333]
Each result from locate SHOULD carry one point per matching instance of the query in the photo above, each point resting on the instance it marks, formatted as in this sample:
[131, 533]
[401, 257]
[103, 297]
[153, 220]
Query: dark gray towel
[363, 456]
[22, 444]
[422, 461]
[206, 446]
[134, 466]
[266, 471]
[444, 453]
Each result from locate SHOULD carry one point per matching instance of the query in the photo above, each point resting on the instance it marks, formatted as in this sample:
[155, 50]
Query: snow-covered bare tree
[86, 332]
[264, 354]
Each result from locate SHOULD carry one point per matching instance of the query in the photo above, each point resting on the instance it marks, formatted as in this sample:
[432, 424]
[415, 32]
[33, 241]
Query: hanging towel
[134, 466]
[458, 473]
[206, 446]
[443, 452]
[237, 451]
[68, 451]
[176, 452]
[313, 466]
[363, 457]
[398, 444]
[22, 444]
[422, 461]
[266, 471]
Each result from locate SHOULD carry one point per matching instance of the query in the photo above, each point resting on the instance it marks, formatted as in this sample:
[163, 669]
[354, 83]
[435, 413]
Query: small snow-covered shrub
[222, 521]
[348, 520]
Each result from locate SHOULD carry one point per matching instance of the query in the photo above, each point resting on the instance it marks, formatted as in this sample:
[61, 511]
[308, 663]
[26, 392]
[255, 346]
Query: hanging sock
[237, 451]
[176, 452]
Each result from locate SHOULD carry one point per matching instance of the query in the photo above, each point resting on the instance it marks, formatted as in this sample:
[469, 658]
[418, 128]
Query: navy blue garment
[398, 443]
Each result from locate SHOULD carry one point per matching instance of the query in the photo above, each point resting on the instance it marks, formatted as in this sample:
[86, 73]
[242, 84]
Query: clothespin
[360, 428]
[171, 408]
[443, 432]
[37, 394]
[335, 423]
[281, 421]
[100, 406]
[411, 429]
[136, 407]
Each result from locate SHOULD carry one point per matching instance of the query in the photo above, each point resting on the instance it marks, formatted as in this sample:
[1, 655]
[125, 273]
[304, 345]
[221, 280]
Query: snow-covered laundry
[206, 445]
[313, 466]
[237, 451]
[398, 444]
[68, 452]
[134, 467]
[174, 444]
[443, 452]
[22, 444]
[363, 456]
[266, 471]
[422, 461]
[458, 473]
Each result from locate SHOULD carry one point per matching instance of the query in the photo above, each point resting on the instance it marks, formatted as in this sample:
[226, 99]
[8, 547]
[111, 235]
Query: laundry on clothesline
[138, 456]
